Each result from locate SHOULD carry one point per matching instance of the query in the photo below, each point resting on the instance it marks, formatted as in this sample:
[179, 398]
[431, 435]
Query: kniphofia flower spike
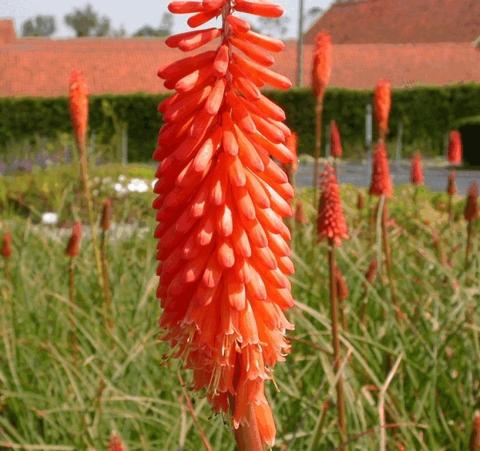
[416, 176]
[7, 245]
[471, 207]
[382, 106]
[223, 247]
[455, 148]
[322, 64]
[336, 149]
[331, 222]
[73, 246]
[78, 96]
[381, 184]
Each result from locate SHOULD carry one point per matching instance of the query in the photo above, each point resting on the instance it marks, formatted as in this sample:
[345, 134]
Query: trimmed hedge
[427, 113]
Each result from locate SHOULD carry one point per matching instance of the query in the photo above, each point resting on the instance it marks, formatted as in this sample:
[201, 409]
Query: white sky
[131, 15]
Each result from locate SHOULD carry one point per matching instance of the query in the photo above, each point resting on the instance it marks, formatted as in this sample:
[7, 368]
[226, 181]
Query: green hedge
[427, 113]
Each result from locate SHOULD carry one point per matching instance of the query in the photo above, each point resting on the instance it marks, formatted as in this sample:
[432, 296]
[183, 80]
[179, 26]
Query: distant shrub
[427, 114]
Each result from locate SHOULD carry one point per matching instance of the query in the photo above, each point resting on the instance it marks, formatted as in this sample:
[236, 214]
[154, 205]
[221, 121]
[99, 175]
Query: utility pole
[300, 43]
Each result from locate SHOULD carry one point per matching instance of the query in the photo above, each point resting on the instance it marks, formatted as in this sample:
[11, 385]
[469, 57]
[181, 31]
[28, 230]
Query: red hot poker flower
[455, 148]
[223, 247]
[382, 105]
[381, 184]
[331, 222]
[300, 216]
[416, 176]
[106, 220]
[322, 64]
[336, 148]
[73, 246]
[292, 144]
[452, 184]
[115, 443]
[471, 207]
[474, 444]
[7, 245]
[78, 96]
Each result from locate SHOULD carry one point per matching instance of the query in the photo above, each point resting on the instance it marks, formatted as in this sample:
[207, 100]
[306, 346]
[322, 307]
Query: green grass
[123, 381]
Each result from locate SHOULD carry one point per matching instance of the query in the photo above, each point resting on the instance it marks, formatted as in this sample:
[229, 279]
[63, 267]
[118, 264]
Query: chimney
[7, 31]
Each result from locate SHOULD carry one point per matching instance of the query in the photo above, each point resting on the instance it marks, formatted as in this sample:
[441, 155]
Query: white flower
[119, 188]
[137, 186]
[122, 178]
[49, 218]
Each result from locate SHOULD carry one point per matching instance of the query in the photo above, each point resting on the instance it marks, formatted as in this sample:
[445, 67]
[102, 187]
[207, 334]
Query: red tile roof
[360, 66]
[400, 21]
[41, 67]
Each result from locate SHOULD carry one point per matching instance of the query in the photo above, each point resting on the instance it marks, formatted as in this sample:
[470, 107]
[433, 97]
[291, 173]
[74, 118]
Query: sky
[130, 15]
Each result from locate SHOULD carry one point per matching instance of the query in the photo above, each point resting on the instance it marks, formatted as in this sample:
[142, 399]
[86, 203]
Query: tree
[87, 22]
[162, 31]
[39, 26]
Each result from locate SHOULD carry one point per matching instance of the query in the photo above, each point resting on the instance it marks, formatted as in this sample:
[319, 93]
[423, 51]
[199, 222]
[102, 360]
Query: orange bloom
[381, 184]
[106, 220]
[336, 149]
[372, 271]
[78, 95]
[382, 104]
[292, 144]
[331, 222]
[223, 247]
[7, 245]
[322, 64]
[455, 148]
[475, 436]
[360, 201]
[300, 216]
[452, 184]
[115, 443]
[73, 246]
[471, 206]
[416, 175]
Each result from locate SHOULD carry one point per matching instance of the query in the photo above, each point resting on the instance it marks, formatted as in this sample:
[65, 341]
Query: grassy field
[421, 371]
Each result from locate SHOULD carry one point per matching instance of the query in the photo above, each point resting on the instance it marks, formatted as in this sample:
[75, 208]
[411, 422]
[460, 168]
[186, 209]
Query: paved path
[359, 175]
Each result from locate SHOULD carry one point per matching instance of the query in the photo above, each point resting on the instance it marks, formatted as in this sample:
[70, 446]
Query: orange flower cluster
[452, 183]
[115, 443]
[382, 105]
[336, 149]
[7, 245]
[416, 174]
[73, 246]
[78, 96]
[455, 148]
[381, 184]
[106, 219]
[471, 207]
[331, 222]
[300, 216]
[322, 64]
[223, 247]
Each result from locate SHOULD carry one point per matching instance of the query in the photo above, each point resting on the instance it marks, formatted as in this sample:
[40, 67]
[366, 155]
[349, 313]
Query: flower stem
[318, 147]
[107, 294]
[388, 259]
[468, 250]
[91, 216]
[342, 424]
[71, 304]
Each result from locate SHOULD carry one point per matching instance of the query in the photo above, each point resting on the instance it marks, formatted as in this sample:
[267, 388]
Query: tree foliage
[43, 26]
[87, 22]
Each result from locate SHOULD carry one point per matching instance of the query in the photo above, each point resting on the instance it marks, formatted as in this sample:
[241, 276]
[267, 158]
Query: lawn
[420, 371]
